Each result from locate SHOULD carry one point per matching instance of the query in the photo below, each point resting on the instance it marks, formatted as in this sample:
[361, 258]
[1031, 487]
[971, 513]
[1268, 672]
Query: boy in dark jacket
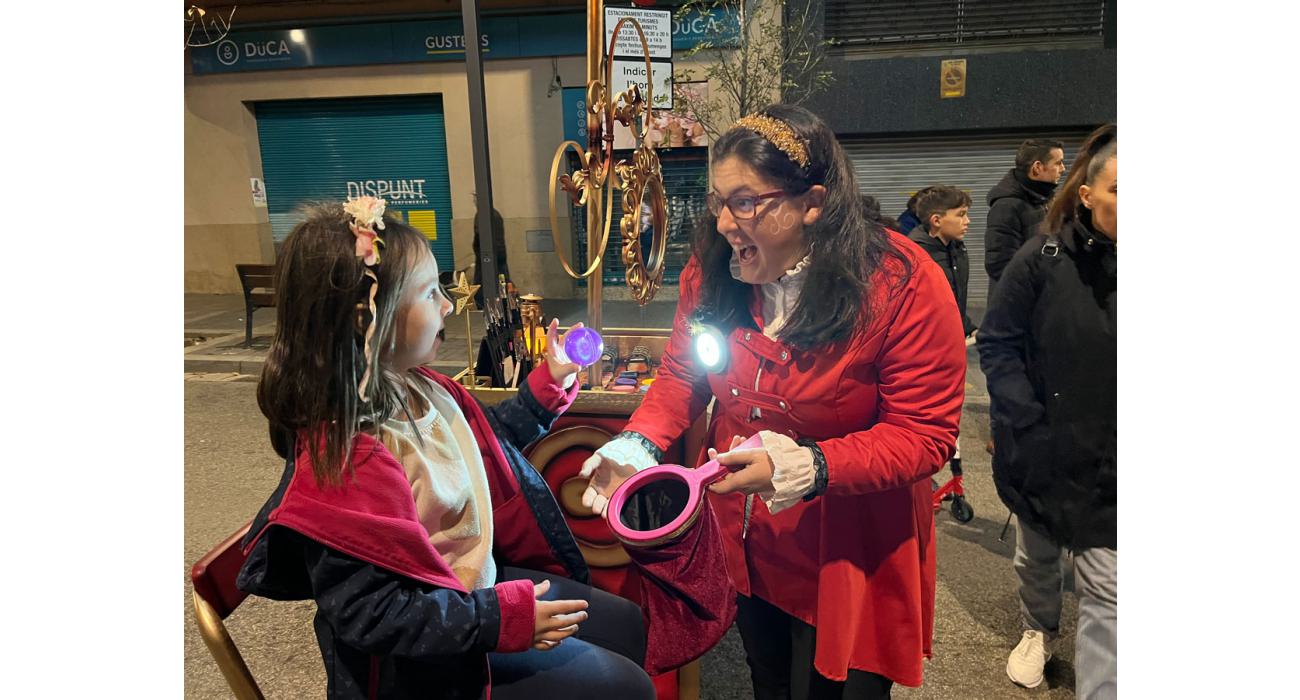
[944, 217]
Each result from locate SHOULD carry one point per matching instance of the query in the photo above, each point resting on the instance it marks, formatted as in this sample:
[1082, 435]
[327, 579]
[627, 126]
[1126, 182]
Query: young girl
[403, 501]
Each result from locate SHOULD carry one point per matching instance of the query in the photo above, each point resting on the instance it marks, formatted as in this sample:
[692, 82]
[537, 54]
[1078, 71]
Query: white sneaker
[1025, 666]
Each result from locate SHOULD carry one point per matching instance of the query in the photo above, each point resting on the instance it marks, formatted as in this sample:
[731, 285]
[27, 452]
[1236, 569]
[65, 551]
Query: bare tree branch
[778, 57]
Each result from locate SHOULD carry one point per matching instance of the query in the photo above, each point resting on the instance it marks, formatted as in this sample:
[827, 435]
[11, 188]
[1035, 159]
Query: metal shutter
[686, 183]
[892, 169]
[891, 23]
[313, 149]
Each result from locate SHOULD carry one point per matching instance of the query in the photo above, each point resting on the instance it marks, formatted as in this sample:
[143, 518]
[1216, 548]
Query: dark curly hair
[847, 246]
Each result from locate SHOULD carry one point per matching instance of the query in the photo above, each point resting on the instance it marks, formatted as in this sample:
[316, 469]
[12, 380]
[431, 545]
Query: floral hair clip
[367, 214]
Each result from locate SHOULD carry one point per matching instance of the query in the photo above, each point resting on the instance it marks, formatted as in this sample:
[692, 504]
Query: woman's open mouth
[745, 254]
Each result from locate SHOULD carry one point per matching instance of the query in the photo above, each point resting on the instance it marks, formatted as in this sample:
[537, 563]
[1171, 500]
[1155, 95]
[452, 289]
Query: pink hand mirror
[658, 504]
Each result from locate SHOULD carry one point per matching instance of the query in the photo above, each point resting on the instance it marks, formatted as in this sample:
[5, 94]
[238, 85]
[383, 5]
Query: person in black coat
[498, 247]
[1047, 347]
[871, 206]
[943, 212]
[1018, 201]
[909, 219]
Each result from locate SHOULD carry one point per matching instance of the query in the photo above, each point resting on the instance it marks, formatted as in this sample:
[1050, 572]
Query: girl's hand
[753, 469]
[563, 370]
[556, 619]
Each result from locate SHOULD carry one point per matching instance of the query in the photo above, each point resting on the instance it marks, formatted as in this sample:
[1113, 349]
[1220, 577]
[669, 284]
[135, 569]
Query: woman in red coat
[835, 340]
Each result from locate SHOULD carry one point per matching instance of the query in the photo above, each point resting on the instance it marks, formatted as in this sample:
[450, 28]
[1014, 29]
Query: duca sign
[230, 52]
[721, 27]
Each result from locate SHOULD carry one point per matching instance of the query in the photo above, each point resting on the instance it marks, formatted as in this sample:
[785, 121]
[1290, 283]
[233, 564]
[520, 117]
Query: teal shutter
[328, 150]
[686, 183]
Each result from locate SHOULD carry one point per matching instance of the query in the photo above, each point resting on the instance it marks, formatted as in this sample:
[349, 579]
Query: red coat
[858, 563]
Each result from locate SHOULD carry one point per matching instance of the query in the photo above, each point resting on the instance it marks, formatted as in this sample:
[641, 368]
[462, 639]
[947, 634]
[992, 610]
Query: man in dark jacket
[1016, 207]
[1018, 201]
[943, 214]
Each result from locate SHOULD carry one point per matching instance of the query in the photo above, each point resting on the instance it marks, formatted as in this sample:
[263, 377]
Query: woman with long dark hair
[834, 340]
[1047, 347]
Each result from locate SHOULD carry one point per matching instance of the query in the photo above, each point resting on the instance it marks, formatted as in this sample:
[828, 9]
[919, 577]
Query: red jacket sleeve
[680, 392]
[518, 615]
[921, 373]
[551, 396]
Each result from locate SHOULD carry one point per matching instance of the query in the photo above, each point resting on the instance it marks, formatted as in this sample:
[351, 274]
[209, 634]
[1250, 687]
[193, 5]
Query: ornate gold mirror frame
[641, 180]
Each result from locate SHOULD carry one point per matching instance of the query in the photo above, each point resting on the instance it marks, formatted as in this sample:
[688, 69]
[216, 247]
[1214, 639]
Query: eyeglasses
[742, 206]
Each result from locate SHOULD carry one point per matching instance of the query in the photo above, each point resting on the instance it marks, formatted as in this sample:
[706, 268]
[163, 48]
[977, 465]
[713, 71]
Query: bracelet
[650, 448]
[820, 476]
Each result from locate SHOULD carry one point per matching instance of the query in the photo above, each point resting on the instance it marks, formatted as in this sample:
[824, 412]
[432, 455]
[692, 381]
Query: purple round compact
[583, 346]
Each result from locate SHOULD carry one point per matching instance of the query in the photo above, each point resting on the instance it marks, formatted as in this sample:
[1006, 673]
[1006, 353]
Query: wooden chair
[259, 292]
[215, 597]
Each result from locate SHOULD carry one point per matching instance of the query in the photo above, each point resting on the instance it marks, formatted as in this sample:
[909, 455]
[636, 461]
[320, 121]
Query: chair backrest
[215, 597]
[258, 277]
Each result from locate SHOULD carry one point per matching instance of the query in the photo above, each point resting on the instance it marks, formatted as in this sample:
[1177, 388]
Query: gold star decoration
[464, 292]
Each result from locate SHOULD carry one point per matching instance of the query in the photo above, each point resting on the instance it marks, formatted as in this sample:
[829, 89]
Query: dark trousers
[601, 662]
[780, 648]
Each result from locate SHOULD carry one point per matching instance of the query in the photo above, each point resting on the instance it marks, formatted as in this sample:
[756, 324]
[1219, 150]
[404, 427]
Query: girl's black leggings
[602, 661]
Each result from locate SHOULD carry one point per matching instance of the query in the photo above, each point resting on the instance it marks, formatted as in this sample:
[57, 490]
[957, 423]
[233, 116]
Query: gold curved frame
[580, 193]
[644, 277]
[585, 187]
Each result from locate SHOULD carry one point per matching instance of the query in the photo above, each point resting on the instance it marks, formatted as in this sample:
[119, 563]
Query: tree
[778, 55]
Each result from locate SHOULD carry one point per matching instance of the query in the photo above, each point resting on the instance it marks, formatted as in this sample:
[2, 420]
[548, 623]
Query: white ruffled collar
[798, 268]
[784, 279]
[779, 297]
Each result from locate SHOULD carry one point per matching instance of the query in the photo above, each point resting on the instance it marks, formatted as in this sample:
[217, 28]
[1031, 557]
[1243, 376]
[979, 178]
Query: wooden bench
[259, 292]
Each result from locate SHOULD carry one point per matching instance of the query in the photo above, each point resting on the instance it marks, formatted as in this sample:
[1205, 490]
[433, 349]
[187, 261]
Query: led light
[710, 348]
[297, 36]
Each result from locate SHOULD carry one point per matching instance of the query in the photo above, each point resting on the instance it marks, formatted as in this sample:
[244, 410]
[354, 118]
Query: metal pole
[595, 210]
[479, 147]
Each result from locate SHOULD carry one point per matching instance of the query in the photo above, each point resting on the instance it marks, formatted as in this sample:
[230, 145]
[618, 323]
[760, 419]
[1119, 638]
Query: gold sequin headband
[779, 133]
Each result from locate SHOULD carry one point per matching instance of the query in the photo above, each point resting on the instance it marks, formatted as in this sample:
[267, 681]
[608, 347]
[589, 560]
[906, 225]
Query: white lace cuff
[793, 473]
[627, 452]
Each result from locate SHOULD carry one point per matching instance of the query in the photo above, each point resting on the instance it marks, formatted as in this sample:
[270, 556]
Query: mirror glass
[654, 505]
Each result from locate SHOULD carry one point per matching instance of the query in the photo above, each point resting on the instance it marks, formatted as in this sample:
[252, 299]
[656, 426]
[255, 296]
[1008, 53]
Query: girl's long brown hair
[308, 388]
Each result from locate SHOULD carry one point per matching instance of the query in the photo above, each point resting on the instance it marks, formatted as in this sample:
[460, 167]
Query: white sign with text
[625, 73]
[657, 25]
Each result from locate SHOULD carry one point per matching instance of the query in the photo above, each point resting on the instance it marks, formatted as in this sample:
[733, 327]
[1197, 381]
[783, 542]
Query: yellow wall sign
[425, 220]
[952, 78]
